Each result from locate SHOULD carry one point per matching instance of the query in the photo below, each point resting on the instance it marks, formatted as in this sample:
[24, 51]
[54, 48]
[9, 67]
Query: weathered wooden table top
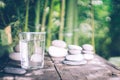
[55, 70]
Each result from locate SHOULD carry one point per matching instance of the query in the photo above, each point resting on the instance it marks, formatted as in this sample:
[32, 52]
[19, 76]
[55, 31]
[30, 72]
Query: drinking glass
[32, 49]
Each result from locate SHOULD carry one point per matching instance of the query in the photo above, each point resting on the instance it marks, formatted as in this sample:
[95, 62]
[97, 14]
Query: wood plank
[57, 60]
[91, 71]
[83, 73]
[47, 73]
[7, 78]
[77, 74]
[64, 73]
[114, 78]
[55, 70]
[39, 75]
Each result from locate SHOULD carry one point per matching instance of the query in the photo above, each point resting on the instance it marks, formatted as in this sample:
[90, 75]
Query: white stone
[87, 47]
[87, 52]
[74, 47]
[13, 70]
[88, 56]
[78, 57]
[74, 52]
[57, 52]
[15, 56]
[36, 58]
[59, 43]
[75, 63]
[17, 48]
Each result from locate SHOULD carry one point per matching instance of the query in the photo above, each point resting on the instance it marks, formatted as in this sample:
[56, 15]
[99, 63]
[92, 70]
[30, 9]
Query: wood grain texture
[103, 70]
[54, 69]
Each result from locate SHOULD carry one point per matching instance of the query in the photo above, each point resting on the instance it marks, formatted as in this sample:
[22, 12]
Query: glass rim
[32, 33]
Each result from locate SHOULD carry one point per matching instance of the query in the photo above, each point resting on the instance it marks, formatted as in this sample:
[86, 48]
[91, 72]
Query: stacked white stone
[79, 55]
[58, 49]
[88, 51]
[74, 49]
[16, 54]
[16, 57]
[75, 57]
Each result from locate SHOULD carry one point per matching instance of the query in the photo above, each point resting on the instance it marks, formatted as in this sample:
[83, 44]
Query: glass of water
[32, 49]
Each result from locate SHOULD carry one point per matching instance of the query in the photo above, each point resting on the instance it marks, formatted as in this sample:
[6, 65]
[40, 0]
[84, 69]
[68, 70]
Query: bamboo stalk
[75, 28]
[62, 19]
[92, 25]
[37, 18]
[69, 21]
[44, 17]
[49, 30]
[26, 17]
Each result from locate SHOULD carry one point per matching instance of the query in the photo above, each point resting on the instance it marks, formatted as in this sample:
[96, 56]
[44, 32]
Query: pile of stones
[88, 51]
[79, 55]
[15, 57]
[74, 57]
[73, 54]
[58, 48]
[16, 54]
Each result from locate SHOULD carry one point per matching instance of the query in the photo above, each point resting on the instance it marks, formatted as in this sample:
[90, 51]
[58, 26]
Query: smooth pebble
[87, 47]
[78, 57]
[74, 52]
[13, 70]
[75, 63]
[36, 58]
[57, 52]
[88, 56]
[59, 43]
[15, 56]
[74, 47]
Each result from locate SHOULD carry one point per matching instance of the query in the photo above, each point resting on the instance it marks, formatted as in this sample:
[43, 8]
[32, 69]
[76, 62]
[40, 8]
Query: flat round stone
[74, 47]
[74, 52]
[88, 56]
[57, 51]
[59, 43]
[75, 63]
[78, 57]
[15, 56]
[36, 58]
[87, 47]
[87, 52]
[13, 70]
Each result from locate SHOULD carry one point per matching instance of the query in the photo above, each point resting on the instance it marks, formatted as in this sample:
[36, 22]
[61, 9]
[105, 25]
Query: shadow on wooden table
[54, 69]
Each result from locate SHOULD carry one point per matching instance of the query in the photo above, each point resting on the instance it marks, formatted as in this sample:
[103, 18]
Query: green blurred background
[78, 22]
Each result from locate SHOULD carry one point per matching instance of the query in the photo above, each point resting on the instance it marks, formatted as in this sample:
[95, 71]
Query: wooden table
[55, 70]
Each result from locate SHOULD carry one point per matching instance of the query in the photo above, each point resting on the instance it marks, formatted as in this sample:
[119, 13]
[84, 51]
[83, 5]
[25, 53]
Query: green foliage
[2, 4]
[101, 24]
[115, 61]
[4, 45]
[57, 6]
[115, 29]
[106, 21]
